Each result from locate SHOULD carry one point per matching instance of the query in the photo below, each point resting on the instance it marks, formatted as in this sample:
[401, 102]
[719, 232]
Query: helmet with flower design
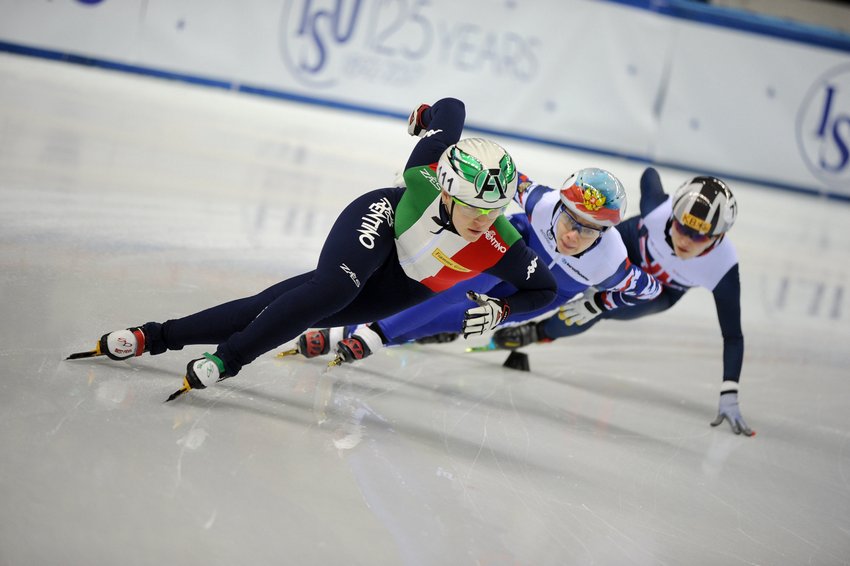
[596, 196]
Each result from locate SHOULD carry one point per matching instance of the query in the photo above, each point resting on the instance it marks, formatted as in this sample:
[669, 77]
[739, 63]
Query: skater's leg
[215, 324]
[345, 267]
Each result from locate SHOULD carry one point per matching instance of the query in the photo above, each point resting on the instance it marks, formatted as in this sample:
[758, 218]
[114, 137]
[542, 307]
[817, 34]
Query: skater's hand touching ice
[730, 411]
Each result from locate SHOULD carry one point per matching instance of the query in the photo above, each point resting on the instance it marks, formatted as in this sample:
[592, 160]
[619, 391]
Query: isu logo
[823, 128]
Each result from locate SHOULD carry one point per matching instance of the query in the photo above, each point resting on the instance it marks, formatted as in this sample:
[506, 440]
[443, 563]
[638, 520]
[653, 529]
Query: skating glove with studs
[581, 310]
[486, 316]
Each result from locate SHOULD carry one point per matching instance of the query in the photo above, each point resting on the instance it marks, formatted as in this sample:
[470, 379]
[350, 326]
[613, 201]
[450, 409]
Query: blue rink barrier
[683, 9]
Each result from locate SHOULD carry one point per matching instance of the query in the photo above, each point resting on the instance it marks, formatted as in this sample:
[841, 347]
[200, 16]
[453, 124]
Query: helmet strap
[445, 219]
[713, 245]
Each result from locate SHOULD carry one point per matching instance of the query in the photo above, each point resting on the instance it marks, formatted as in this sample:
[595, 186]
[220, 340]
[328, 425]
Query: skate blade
[286, 353]
[486, 348]
[180, 391]
[88, 354]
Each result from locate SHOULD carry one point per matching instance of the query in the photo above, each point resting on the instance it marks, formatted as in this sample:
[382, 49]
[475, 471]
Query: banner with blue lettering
[601, 76]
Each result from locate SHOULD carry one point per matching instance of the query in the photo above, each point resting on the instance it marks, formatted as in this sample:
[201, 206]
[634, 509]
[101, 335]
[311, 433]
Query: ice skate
[118, 345]
[200, 373]
[511, 338]
[439, 338]
[315, 342]
[362, 344]
[349, 350]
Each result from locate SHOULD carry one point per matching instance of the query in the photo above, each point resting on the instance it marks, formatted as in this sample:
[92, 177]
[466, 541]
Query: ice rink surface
[126, 199]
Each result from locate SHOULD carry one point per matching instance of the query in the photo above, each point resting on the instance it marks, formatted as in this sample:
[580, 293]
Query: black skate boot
[439, 338]
[513, 337]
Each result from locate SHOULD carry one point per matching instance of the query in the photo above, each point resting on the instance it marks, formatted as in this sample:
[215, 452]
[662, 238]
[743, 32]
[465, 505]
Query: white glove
[486, 316]
[415, 126]
[581, 310]
[729, 410]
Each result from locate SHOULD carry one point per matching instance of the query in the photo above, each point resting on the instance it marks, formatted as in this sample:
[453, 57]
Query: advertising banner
[593, 75]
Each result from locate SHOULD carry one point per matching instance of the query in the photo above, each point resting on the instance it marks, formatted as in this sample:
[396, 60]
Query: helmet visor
[690, 232]
[571, 223]
[475, 212]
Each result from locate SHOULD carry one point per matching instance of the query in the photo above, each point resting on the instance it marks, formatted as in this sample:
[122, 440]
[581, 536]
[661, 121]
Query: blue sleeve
[445, 118]
[441, 313]
[651, 191]
[528, 194]
[727, 299]
[628, 286]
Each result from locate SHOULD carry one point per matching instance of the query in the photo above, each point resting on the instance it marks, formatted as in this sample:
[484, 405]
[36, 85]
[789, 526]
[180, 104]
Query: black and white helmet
[705, 205]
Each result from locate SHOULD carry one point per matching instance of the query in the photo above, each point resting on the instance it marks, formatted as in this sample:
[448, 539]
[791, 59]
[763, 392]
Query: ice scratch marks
[623, 535]
[208, 525]
[65, 418]
[196, 436]
[842, 459]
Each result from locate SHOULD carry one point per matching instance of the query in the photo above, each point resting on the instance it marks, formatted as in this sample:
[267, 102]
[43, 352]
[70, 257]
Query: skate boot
[200, 374]
[315, 342]
[351, 349]
[439, 338]
[513, 337]
[118, 345]
[359, 345]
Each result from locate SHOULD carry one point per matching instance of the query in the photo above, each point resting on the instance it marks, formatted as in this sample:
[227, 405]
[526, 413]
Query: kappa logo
[378, 212]
[823, 128]
[491, 237]
[532, 267]
[351, 274]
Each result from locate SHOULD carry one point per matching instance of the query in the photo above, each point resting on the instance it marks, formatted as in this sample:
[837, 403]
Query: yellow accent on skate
[186, 387]
[285, 353]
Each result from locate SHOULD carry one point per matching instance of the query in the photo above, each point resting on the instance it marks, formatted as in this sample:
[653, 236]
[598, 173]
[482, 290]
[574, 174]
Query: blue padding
[742, 20]
[283, 95]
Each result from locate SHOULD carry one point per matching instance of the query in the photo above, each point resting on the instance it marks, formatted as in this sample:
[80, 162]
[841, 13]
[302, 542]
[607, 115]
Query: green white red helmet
[479, 173]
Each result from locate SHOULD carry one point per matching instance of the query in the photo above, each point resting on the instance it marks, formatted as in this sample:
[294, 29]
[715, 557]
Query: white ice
[127, 199]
